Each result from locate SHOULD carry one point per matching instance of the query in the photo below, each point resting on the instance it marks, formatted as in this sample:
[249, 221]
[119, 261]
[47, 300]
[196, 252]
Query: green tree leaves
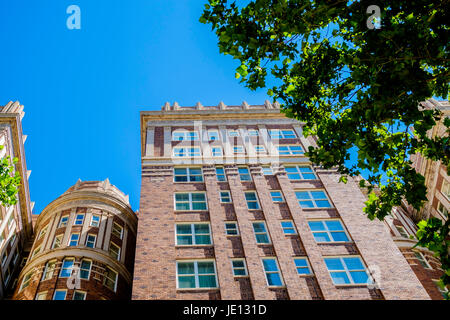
[9, 181]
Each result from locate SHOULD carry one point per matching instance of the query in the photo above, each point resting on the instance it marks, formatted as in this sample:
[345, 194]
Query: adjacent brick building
[232, 209]
[16, 228]
[84, 247]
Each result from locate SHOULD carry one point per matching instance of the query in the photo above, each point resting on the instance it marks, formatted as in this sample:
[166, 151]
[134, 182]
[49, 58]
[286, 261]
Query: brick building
[16, 228]
[232, 209]
[84, 247]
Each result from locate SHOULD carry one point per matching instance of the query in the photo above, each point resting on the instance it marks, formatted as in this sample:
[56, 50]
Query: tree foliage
[9, 181]
[355, 80]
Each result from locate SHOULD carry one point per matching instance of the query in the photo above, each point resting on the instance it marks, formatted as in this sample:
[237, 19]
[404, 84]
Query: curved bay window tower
[84, 247]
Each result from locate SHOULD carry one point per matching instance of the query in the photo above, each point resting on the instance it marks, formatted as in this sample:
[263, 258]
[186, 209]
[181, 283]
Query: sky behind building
[83, 89]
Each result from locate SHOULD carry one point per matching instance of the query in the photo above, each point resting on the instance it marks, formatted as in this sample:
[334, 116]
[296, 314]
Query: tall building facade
[232, 209]
[84, 247]
[16, 228]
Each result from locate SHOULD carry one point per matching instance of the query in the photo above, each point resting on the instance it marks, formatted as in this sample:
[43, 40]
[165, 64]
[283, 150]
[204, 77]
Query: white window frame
[87, 240]
[89, 271]
[115, 230]
[76, 220]
[187, 152]
[63, 223]
[445, 189]
[188, 175]
[289, 151]
[233, 268]
[216, 151]
[228, 196]
[186, 135]
[48, 273]
[60, 237]
[79, 291]
[347, 271]
[60, 290]
[233, 133]
[266, 232]
[442, 209]
[238, 149]
[112, 253]
[42, 232]
[220, 174]
[252, 201]
[246, 174]
[231, 229]
[308, 266]
[62, 267]
[314, 200]
[298, 172]
[259, 148]
[190, 201]
[276, 197]
[196, 274]
[41, 295]
[97, 223]
[402, 231]
[193, 234]
[71, 239]
[26, 280]
[36, 251]
[289, 228]
[267, 272]
[216, 132]
[265, 170]
[281, 134]
[422, 259]
[251, 132]
[115, 280]
[328, 231]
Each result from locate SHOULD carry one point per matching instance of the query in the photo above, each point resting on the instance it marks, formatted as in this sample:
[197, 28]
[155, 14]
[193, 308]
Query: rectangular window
[238, 150]
[193, 234]
[216, 151]
[267, 171]
[272, 272]
[422, 260]
[233, 133]
[63, 221]
[261, 235]
[402, 231]
[49, 270]
[260, 149]
[66, 268]
[313, 199]
[239, 267]
[253, 133]
[117, 230]
[85, 269]
[276, 196]
[302, 266]
[90, 240]
[244, 174]
[231, 229]
[282, 134]
[79, 295]
[300, 173]
[191, 201]
[60, 295]
[188, 174]
[328, 231]
[57, 241]
[225, 197]
[186, 152]
[74, 237]
[95, 221]
[446, 189]
[79, 220]
[442, 209]
[252, 200]
[220, 173]
[26, 281]
[184, 136]
[41, 296]
[213, 135]
[288, 227]
[36, 251]
[290, 150]
[347, 270]
[196, 274]
[114, 250]
[110, 279]
[42, 233]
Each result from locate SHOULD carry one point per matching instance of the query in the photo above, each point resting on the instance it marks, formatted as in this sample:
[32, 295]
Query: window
[60, 295]
[110, 279]
[186, 152]
[216, 151]
[184, 136]
[79, 220]
[272, 272]
[244, 174]
[442, 209]
[252, 200]
[290, 150]
[233, 133]
[328, 231]
[11, 221]
[49, 270]
[117, 230]
[193, 234]
[282, 134]
[239, 268]
[267, 171]
[288, 227]
[302, 266]
[4, 258]
[402, 231]
[74, 237]
[90, 240]
[225, 197]
[300, 173]
[188, 174]
[190, 201]
[260, 149]
[253, 132]
[220, 173]
[238, 150]
[422, 260]
[36, 251]
[63, 221]
[85, 269]
[26, 281]
[57, 241]
[66, 268]
[261, 235]
[41, 296]
[312, 199]
[213, 135]
[442, 290]
[347, 270]
[446, 189]
[276, 196]
[79, 295]
[114, 250]
[42, 233]
[231, 229]
[95, 221]
[196, 274]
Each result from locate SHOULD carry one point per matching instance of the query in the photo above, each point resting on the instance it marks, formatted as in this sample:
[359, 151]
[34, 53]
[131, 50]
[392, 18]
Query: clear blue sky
[83, 89]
